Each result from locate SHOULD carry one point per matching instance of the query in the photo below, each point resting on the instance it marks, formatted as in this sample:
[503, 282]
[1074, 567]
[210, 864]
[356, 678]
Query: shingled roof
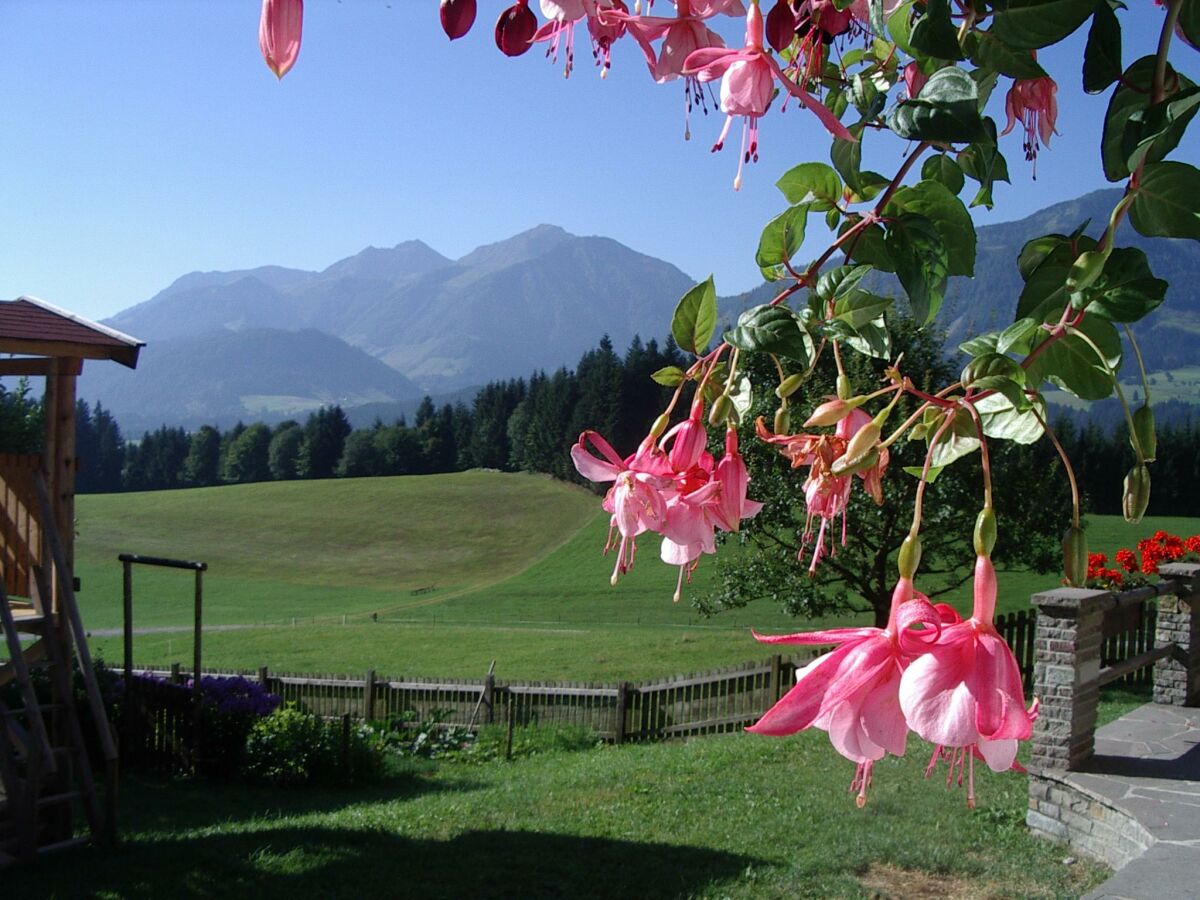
[32, 327]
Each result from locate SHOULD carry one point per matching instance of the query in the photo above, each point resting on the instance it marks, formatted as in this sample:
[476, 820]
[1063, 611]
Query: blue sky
[146, 138]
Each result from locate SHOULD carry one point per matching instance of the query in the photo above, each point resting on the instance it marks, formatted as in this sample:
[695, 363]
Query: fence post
[622, 707]
[489, 697]
[176, 678]
[1177, 677]
[512, 714]
[369, 696]
[776, 690]
[263, 677]
[1066, 664]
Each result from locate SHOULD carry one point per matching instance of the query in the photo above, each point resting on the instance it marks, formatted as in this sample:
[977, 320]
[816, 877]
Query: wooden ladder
[45, 770]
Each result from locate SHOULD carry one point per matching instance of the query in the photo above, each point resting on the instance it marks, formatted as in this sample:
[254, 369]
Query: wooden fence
[720, 700]
[709, 702]
[1128, 632]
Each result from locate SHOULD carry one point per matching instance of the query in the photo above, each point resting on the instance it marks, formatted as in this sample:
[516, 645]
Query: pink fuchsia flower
[637, 500]
[825, 492]
[279, 34]
[853, 692]
[515, 29]
[965, 695]
[562, 16]
[1031, 101]
[749, 76]
[731, 505]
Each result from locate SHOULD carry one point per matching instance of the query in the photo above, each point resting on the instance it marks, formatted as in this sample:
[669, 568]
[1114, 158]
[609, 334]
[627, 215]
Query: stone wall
[1069, 813]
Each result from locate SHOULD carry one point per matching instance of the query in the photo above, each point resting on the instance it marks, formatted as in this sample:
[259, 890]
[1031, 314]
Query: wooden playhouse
[50, 744]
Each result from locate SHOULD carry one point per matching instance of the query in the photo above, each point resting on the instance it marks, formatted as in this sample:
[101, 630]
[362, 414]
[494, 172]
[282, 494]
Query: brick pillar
[1066, 663]
[1177, 677]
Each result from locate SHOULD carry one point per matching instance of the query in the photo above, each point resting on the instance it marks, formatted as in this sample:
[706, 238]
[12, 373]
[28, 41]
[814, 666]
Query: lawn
[733, 816]
[515, 561]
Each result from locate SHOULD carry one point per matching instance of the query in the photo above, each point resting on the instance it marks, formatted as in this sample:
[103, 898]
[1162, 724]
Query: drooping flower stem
[985, 458]
[1066, 461]
[1133, 437]
[915, 529]
[1137, 352]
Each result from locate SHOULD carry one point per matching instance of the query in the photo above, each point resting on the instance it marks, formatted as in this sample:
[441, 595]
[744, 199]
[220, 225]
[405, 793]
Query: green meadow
[427, 575]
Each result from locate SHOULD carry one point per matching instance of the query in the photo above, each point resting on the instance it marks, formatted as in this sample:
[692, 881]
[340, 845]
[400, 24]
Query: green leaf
[918, 471]
[921, 262]
[1044, 296]
[934, 34]
[984, 162]
[839, 281]
[1165, 204]
[989, 372]
[871, 247]
[935, 202]
[780, 240]
[772, 329]
[993, 53]
[979, 344]
[1102, 55]
[1018, 336]
[857, 308]
[813, 184]
[669, 376]
[743, 396]
[944, 169]
[1189, 21]
[1031, 24]
[1003, 419]
[1074, 366]
[870, 338]
[947, 109]
[875, 10]
[695, 317]
[1159, 128]
[900, 25]
[960, 439]
[1035, 252]
[1127, 290]
[1131, 97]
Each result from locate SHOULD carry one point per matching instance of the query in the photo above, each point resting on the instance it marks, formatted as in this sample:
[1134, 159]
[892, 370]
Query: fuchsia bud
[914, 79]
[457, 17]
[830, 412]
[781, 25]
[279, 34]
[515, 29]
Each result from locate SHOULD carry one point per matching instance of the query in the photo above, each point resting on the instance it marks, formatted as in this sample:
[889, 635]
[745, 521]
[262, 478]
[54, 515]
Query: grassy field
[733, 816]
[514, 560]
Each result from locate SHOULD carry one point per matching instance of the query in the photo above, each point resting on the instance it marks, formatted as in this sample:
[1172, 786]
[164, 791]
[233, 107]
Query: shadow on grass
[151, 804]
[296, 862]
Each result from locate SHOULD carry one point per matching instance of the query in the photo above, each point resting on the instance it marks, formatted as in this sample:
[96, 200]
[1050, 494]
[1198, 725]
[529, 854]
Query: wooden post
[512, 714]
[176, 678]
[369, 696]
[489, 696]
[776, 685]
[196, 641]
[622, 706]
[128, 631]
[263, 677]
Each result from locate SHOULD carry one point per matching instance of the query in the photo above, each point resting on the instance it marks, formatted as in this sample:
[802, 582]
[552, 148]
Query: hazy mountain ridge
[537, 300]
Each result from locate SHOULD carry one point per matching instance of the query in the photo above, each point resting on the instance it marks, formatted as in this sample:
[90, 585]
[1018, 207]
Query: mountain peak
[518, 248]
[406, 259]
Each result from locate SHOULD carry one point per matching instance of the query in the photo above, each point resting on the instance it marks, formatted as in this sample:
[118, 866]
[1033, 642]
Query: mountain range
[379, 329]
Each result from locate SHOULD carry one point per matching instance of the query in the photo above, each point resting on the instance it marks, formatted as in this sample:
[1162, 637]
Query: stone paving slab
[1147, 764]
